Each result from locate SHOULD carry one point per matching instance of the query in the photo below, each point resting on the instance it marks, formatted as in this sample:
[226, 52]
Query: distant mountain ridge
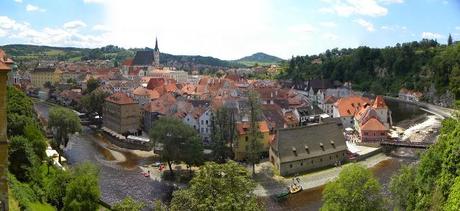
[259, 58]
[22, 52]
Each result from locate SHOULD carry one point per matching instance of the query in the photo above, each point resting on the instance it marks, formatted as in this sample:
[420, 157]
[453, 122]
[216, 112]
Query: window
[202, 130]
[311, 161]
[206, 121]
[301, 163]
[202, 121]
[290, 166]
[330, 157]
[206, 130]
[320, 160]
[246, 138]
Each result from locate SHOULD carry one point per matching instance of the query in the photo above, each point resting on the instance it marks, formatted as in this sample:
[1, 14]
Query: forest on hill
[424, 66]
[116, 54]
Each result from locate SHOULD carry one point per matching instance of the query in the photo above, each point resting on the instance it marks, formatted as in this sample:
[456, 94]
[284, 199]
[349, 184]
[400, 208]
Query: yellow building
[242, 141]
[40, 75]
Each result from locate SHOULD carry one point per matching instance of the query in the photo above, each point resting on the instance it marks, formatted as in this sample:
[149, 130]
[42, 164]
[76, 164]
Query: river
[120, 179]
[117, 179]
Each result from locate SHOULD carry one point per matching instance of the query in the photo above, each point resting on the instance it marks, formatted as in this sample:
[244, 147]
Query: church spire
[156, 44]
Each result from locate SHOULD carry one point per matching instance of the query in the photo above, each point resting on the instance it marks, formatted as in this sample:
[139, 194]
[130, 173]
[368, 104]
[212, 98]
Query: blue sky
[228, 29]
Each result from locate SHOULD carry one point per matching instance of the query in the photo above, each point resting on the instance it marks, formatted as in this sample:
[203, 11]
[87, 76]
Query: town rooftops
[379, 102]
[243, 127]
[373, 125]
[143, 58]
[310, 141]
[348, 106]
[44, 69]
[120, 98]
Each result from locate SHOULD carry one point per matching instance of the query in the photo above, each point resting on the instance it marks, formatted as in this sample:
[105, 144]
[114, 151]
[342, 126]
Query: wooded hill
[414, 65]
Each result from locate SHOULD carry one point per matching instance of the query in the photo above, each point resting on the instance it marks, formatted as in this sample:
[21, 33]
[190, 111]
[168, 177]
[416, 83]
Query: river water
[120, 179]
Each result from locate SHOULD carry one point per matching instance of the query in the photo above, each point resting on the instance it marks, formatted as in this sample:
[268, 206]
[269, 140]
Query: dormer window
[333, 144]
[307, 150]
[322, 146]
[294, 150]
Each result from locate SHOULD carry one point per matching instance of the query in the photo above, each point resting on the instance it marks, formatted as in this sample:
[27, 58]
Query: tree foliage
[128, 204]
[22, 158]
[20, 111]
[179, 142]
[222, 134]
[218, 187]
[431, 184]
[94, 101]
[92, 84]
[414, 65]
[254, 135]
[355, 189]
[64, 122]
[82, 191]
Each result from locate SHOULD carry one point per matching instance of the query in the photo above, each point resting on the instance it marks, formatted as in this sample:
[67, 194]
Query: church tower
[156, 54]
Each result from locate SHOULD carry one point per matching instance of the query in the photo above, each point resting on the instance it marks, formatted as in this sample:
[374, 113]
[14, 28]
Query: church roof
[143, 58]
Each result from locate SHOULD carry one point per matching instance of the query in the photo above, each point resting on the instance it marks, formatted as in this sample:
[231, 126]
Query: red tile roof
[120, 98]
[379, 102]
[373, 125]
[348, 106]
[128, 62]
[155, 82]
[243, 127]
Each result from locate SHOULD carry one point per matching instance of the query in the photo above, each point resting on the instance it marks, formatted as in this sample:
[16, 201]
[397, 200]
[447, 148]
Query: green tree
[218, 187]
[179, 142]
[22, 158]
[128, 204]
[222, 134]
[94, 101]
[254, 135]
[20, 111]
[454, 83]
[56, 188]
[37, 140]
[92, 84]
[403, 187]
[453, 202]
[355, 189]
[64, 122]
[82, 192]
[449, 40]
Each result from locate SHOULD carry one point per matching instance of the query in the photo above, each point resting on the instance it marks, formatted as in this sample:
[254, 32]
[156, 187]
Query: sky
[228, 29]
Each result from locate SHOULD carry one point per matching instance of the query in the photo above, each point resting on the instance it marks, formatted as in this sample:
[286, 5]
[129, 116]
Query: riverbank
[269, 184]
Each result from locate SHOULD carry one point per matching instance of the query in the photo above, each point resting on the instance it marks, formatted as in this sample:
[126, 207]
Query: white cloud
[303, 28]
[328, 24]
[394, 28]
[457, 27]
[100, 27]
[2, 33]
[205, 27]
[18, 1]
[74, 24]
[331, 36]
[49, 36]
[355, 7]
[392, 1]
[33, 8]
[366, 24]
[431, 35]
